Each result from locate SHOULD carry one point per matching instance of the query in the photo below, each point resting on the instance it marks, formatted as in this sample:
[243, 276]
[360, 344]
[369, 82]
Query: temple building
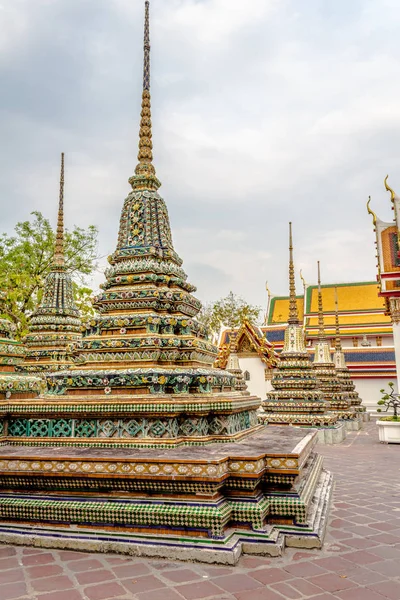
[366, 335]
[298, 396]
[388, 256]
[142, 446]
[55, 326]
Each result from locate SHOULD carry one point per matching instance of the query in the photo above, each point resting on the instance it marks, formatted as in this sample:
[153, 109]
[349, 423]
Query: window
[379, 340]
[246, 376]
[355, 342]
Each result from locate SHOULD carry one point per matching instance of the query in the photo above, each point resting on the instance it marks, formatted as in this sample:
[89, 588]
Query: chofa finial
[371, 212]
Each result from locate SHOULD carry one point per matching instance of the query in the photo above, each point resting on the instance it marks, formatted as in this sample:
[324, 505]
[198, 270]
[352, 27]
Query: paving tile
[386, 551]
[199, 590]
[11, 575]
[388, 589]
[130, 570]
[164, 594]
[50, 584]
[272, 575]
[331, 582]
[38, 559]
[62, 595]
[335, 563]
[66, 555]
[9, 563]
[305, 569]
[9, 591]
[361, 557]
[143, 584]
[85, 564]
[304, 586]
[96, 576]
[181, 575]
[105, 591]
[361, 593]
[237, 583]
[287, 591]
[390, 568]
[258, 594]
[361, 543]
[6, 551]
[44, 571]
[253, 561]
[364, 576]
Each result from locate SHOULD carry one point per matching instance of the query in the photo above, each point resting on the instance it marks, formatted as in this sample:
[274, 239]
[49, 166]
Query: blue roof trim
[275, 336]
[369, 356]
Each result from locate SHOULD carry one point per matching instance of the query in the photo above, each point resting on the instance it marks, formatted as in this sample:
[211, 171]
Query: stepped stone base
[207, 504]
[332, 435]
[353, 424]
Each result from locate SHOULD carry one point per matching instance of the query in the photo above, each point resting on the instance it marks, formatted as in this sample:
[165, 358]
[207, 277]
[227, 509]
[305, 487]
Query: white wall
[257, 384]
[369, 391]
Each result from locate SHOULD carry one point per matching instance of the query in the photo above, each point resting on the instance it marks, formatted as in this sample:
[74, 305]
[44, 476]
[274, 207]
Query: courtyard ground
[360, 559]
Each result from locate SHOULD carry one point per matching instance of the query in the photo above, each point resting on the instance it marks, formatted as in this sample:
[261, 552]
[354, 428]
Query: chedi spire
[145, 173]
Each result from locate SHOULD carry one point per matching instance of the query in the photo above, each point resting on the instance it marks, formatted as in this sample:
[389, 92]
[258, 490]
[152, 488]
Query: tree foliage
[25, 260]
[230, 311]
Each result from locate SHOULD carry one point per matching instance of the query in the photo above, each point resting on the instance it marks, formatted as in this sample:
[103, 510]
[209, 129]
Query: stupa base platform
[197, 503]
[327, 426]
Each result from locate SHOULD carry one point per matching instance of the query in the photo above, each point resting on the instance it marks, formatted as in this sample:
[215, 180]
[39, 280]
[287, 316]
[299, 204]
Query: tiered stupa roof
[341, 368]
[325, 370]
[55, 326]
[296, 397]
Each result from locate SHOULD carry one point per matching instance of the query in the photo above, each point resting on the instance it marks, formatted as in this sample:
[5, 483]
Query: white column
[395, 314]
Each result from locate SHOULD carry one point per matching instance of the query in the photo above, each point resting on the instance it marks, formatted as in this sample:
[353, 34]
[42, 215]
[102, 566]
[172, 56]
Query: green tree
[230, 311]
[25, 260]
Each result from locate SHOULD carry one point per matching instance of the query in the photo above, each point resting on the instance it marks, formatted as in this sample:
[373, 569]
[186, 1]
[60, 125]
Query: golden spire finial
[320, 307]
[58, 260]
[293, 312]
[389, 189]
[338, 343]
[145, 173]
[371, 212]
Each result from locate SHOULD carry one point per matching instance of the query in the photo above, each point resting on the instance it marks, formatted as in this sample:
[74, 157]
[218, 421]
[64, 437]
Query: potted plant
[389, 427]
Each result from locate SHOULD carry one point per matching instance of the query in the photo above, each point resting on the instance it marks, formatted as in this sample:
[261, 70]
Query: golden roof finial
[58, 260]
[338, 343]
[145, 173]
[303, 280]
[371, 212]
[320, 307]
[389, 189]
[293, 312]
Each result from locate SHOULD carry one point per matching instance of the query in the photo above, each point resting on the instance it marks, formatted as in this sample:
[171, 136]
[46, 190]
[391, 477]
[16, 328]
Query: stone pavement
[360, 559]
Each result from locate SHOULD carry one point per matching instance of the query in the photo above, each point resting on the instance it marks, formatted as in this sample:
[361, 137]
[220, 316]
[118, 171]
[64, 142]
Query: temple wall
[369, 391]
[257, 385]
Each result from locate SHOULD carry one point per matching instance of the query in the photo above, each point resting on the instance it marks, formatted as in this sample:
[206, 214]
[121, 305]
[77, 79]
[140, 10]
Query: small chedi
[13, 384]
[342, 370]
[328, 378]
[296, 397]
[143, 446]
[55, 326]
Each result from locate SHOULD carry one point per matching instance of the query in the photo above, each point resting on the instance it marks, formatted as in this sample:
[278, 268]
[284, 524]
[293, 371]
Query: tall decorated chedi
[325, 370]
[55, 326]
[129, 454]
[295, 398]
[341, 368]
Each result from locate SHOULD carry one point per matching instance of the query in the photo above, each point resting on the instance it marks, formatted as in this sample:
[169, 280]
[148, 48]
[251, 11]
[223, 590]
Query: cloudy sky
[264, 111]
